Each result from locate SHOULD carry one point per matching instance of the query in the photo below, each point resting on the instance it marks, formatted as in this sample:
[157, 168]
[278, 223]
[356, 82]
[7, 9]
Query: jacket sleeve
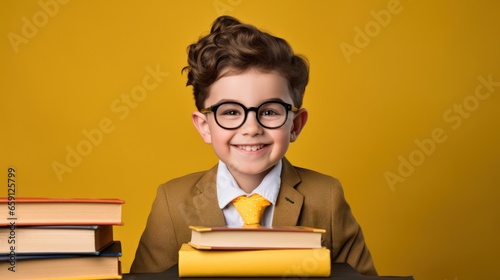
[158, 247]
[348, 243]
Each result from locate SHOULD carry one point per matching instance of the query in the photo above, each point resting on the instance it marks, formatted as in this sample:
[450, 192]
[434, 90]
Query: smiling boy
[250, 151]
[248, 87]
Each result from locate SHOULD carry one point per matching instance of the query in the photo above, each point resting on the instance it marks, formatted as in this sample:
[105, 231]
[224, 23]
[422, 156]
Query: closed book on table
[250, 237]
[56, 239]
[60, 211]
[105, 265]
[254, 263]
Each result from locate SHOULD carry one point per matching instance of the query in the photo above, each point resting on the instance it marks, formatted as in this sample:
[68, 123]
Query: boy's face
[250, 150]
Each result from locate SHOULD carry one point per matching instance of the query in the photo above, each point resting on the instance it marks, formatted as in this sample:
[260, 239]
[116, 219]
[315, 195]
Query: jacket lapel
[205, 201]
[289, 202]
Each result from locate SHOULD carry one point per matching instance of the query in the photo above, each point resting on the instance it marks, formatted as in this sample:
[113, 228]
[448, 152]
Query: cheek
[219, 136]
[286, 131]
[282, 137]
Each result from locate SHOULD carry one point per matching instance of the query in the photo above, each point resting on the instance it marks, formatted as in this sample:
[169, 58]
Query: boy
[248, 88]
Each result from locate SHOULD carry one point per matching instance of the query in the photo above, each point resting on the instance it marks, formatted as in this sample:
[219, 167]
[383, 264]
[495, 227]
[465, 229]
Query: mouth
[250, 148]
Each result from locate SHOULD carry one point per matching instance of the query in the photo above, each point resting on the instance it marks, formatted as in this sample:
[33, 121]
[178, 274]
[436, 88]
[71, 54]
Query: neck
[249, 182]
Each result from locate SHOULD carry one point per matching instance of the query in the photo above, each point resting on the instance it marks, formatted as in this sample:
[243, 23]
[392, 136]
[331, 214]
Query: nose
[251, 126]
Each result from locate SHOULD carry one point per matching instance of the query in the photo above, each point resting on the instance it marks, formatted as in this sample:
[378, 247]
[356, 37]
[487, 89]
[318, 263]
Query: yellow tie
[251, 208]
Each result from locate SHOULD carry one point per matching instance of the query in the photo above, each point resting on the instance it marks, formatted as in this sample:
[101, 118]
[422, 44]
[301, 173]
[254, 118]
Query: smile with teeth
[250, 148]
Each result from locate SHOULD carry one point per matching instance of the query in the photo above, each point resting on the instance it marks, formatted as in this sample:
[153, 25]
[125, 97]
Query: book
[338, 271]
[56, 239]
[254, 263]
[60, 211]
[105, 265]
[244, 238]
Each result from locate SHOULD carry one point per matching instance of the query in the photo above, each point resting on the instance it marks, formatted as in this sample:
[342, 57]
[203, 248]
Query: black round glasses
[232, 115]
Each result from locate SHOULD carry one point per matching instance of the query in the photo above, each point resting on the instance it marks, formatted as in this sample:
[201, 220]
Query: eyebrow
[237, 101]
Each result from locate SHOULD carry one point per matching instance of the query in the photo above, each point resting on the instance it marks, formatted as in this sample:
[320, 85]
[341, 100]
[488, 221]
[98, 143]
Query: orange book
[56, 239]
[104, 265]
[60, 211]
[246, 237]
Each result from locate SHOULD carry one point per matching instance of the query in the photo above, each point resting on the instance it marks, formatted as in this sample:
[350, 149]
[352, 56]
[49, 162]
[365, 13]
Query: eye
[230, 113]
[269, 112]
[230, 110]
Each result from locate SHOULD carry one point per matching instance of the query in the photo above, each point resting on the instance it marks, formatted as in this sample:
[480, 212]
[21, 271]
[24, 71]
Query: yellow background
[66, 67]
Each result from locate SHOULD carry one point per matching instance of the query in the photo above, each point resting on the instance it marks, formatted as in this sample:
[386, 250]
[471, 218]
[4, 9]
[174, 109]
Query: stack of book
[47, 238]
[254, 252]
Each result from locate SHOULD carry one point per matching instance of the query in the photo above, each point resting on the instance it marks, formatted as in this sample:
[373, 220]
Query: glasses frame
[213, 109]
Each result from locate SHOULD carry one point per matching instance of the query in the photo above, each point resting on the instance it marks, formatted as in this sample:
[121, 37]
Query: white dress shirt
[228, 189]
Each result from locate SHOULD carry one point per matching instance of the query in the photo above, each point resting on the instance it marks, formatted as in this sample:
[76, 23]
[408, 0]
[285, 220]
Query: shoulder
[314, 183]
[308, 176]
[192, 177]
[311, 175]
[303, 178]
[197, 180]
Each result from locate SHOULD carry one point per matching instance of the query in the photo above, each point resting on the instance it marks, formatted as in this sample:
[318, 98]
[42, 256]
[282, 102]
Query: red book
[60, 211]
[252, 238]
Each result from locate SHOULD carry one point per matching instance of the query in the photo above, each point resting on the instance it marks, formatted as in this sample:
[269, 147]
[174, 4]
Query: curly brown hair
[239, 47]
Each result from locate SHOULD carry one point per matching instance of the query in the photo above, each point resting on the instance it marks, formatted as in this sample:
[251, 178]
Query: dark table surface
[340, 271]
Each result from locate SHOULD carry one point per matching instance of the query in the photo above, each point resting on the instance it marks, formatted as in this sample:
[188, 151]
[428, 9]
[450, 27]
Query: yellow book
[254, 263]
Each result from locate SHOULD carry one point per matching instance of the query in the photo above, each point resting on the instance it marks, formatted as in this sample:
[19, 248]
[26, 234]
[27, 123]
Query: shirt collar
[228, 189]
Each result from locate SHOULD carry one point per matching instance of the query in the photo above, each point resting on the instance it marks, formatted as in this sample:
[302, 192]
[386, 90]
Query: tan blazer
[306, 198]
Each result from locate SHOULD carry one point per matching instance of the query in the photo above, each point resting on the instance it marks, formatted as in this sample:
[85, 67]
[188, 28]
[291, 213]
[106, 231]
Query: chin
[255, 170]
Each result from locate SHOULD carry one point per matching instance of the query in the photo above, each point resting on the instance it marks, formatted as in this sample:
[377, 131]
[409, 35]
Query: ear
[299, 121]
[201, 124]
